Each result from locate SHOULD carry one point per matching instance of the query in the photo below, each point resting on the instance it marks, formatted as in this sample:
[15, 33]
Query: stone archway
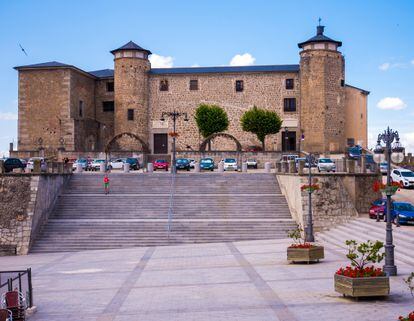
[113, 141]
[206, 141]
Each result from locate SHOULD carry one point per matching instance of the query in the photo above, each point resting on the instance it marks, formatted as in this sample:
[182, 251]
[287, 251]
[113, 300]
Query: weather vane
[319, 21]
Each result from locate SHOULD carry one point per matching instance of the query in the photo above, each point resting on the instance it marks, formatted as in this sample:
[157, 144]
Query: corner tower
[322, 90]
[131, 66]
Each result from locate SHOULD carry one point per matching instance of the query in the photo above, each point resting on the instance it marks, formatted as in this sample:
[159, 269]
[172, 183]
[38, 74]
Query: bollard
[278, 167]
[285, 166]
[244, 167]
[102, 167]
[126, 167]
[150, 167]
[36, 166]
[267, 167]
[292, 166]
[350, 164]
[79, 168]
[221, 167]
[301, 166]
[197, 167]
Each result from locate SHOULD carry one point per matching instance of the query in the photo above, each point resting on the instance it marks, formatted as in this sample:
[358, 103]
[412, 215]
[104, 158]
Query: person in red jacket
[106, 183]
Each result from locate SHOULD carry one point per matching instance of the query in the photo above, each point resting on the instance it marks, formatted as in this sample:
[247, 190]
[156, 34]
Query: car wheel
[110, 167]
[188, 169]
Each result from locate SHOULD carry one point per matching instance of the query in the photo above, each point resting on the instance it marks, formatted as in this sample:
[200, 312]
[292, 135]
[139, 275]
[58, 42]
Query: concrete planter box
[312, 254]
[362, 287]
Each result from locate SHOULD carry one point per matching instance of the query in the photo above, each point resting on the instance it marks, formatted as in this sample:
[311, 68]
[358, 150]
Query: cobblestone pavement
[225, 281]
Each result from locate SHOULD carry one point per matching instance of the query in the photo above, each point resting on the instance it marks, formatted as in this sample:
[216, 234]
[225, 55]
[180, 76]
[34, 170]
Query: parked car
[82, 161]
[306, 162]
[326, 165]
[117, 163]
[12, 163]
[354, 152]
[96, 164]
[254, 149]
[207, 164]
[192, 162]
[404, 211]
[384, 168]
[378, 208]
[404, 176]
[230, 164]
[286, 158]
[133, 163]
[182, 163]
[30, 162]
[251, 163]
[160, 164]
[24, 162]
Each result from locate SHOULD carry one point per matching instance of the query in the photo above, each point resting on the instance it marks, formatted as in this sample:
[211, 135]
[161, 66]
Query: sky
[377, 41]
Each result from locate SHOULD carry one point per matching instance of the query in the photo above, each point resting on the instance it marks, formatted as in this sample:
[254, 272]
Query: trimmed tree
[261, 122]
[211, 119]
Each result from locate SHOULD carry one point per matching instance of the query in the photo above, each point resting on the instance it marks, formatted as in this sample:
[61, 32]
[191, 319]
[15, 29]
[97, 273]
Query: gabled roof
[104, 73]
[131, 46]
[320, 37]
[225, 69]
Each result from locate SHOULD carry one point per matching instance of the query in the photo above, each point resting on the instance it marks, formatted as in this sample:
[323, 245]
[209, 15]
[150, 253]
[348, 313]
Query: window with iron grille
[289, 104]
[130, 114]
[109, 86]
[108, 106]
[239, 85]
[194, 84]
[290, 84]
[164, 85]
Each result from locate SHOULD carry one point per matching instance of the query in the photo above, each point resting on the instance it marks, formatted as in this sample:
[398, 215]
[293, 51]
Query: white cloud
[407, 140]
[158, 61]
[242, 60]
[391, 103]
[384, 66]
[8, 116]
[412, 62]
[4, 153]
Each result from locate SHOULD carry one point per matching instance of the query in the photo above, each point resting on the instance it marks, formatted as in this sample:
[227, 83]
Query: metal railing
[20, 280]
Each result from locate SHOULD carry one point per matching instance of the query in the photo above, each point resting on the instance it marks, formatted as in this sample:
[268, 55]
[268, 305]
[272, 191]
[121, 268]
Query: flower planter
[362, 287]
[311, 254]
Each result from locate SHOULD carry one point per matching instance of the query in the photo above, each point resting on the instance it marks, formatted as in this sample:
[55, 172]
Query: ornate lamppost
[393, 152]
[174, 115]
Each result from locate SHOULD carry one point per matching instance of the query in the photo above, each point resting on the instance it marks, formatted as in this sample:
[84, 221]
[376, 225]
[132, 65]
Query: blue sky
[377, 41]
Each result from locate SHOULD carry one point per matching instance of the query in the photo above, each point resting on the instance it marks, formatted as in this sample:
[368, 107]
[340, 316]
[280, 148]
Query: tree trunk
[263, 145]
[209, 145]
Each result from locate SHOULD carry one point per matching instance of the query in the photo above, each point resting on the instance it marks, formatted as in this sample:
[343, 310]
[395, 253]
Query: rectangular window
[110, 86]
[239, 85]
[289, 104]
[164, 85]
[80, 108]
[350, 142]
[342, 83]
[130, 114]
[290, 84]
[194, 84]
[108, 106]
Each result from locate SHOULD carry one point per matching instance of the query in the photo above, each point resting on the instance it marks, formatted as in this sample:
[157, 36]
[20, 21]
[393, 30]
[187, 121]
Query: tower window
[164, 85]
[289, 84]
[80, 108]
[194, 84]
[342, 83]
[109, 86]
[108, 106]
[130, 114]
[289, 104]
[239, 85]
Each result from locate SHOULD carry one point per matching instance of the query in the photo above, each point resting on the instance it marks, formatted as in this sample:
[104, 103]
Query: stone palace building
[62, 106]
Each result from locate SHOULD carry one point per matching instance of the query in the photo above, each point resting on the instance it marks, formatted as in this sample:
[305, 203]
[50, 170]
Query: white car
[251, 163]
[117, 163]
[30, 163]
[96, 164]
[230, 164]
[404, 176]
[326, 165]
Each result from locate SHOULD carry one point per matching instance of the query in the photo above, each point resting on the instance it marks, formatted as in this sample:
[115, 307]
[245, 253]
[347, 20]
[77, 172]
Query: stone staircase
[208, 207]
[363, 229]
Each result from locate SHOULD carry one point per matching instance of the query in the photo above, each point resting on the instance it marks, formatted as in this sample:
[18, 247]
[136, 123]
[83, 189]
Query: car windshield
[207, 161]
[230, 160]
[325, 160]
[407, 174]
[383, 164]
[160, 161]
[82, 160]
[99, 161]
[182, 160]
[404, 207]
[251, 160]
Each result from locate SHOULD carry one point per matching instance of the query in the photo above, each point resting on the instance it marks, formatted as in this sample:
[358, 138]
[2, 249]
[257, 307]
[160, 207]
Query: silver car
[326, 165]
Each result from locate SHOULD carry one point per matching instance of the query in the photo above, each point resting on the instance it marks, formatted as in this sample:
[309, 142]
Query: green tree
[261, 122]
[211, 119]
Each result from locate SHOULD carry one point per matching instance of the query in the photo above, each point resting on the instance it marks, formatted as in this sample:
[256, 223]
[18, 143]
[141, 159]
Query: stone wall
[356, 115]
[26, 201]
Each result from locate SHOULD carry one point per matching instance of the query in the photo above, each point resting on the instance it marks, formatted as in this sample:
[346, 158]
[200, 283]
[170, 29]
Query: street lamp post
[309, 237]
[394, 153]
[174, 115]
[286, 138]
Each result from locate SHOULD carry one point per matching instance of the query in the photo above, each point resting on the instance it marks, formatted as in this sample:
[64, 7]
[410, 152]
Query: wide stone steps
[207, 208]
[363, 229]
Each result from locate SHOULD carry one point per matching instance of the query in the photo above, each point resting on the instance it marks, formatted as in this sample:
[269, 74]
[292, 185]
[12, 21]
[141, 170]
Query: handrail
[20, 274]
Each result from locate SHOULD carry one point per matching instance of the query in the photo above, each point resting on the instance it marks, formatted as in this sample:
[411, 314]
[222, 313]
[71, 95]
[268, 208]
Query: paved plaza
[224, 281]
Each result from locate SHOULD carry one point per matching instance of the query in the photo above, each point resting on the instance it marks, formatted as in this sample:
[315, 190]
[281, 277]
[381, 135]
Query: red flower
[301, 246]
[352, 272]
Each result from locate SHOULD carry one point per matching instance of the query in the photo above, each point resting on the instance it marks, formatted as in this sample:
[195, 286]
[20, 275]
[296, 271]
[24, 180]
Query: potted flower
[301, 251]
[310, 188]
[387, 189]
[362, 278]
[410, 282]
[173, 134]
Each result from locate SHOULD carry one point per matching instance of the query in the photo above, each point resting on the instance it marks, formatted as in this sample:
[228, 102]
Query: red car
[377, 208]
[160, 164]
